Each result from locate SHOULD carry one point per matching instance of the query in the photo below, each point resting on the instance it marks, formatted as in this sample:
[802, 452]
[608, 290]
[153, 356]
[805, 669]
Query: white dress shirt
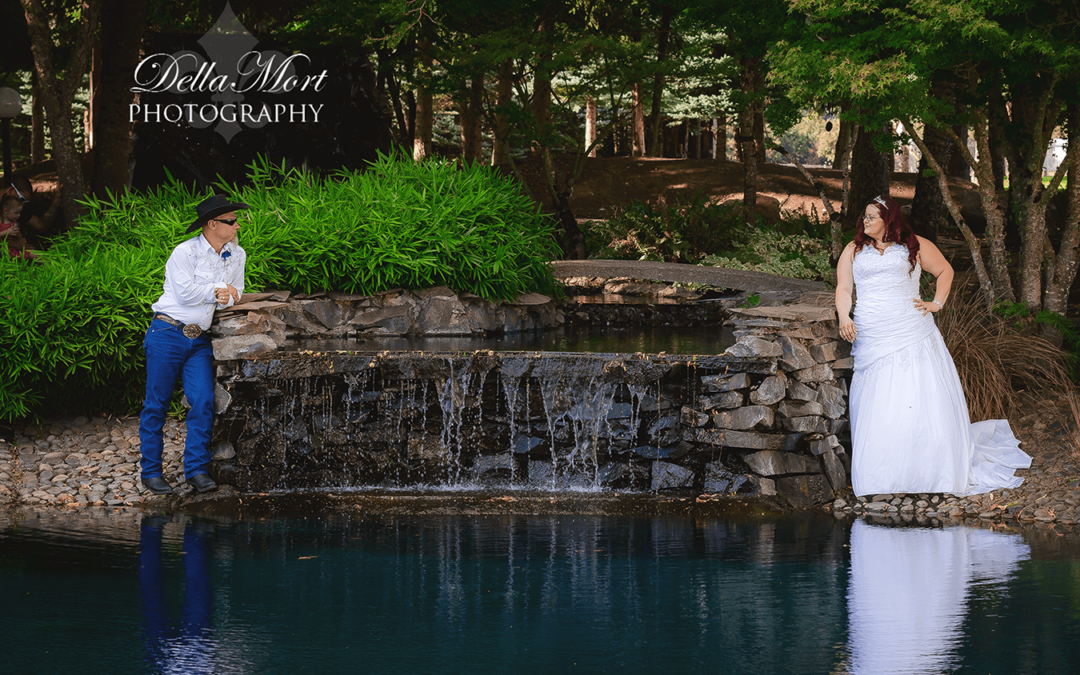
[193, 272]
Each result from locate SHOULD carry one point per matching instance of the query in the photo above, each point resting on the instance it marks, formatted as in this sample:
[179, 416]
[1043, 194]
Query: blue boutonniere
[225, 255]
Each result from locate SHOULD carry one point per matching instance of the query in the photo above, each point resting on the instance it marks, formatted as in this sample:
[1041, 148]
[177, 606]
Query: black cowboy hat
[211, 208]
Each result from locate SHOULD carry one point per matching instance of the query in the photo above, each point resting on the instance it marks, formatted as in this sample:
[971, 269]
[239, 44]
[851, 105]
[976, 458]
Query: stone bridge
[740, 280]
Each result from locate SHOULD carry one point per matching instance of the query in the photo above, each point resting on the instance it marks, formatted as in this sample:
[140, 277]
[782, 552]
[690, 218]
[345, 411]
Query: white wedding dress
[910, 429]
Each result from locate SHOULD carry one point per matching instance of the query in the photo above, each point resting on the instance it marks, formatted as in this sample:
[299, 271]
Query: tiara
[881, 201]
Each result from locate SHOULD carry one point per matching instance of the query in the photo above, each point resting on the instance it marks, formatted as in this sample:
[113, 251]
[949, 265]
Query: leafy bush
[678, 232]
[71, 328]
[798, 256]
[711, 234]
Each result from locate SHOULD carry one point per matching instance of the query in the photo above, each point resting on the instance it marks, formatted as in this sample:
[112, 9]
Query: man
[203, 274]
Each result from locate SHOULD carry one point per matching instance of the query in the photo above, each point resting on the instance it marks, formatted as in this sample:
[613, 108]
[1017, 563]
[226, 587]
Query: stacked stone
[263, 321]
[785, 414]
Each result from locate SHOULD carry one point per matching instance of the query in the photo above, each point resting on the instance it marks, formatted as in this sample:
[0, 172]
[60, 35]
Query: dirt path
[611, 183]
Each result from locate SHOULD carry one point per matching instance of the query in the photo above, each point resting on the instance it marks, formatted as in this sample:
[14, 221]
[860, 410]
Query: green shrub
[798, 256]
[71, 328]
[683, 231]
[711, 234]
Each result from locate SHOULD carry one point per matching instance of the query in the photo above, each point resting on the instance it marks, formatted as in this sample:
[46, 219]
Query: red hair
[896, 228]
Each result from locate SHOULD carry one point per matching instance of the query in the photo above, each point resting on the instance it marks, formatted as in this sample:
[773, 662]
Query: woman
[910, 429]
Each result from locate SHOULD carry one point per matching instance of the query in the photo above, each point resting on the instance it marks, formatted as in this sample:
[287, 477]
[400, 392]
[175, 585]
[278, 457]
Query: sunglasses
[227, 221]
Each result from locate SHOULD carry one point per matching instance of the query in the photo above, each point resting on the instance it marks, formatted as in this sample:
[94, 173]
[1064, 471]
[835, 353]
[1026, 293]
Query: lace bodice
[888, 275]
[885, 316]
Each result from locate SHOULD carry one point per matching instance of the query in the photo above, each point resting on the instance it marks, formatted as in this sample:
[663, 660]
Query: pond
[532, 594]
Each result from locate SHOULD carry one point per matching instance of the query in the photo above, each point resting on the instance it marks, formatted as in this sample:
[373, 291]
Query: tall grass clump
[71, 327]
[398, 224]
[996, 358]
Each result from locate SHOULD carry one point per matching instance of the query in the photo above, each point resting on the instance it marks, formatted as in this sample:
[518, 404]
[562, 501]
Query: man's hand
[222, 295]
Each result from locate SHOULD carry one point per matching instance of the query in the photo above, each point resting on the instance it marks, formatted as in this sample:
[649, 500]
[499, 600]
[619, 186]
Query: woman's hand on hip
[847, 328]
[927, 307]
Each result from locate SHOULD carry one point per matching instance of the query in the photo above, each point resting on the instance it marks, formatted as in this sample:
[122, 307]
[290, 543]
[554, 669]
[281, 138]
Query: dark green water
[532, 594]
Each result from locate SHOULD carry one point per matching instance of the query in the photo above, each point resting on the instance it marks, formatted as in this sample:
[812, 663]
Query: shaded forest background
[980, 88]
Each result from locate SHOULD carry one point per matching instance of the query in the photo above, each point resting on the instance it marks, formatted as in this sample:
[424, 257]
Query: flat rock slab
[741, 280]
[530, 299]
[788, 312]
[245, 306]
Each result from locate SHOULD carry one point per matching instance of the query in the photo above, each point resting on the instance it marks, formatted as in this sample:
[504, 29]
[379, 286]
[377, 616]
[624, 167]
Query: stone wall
[767, 418]
[263, 322]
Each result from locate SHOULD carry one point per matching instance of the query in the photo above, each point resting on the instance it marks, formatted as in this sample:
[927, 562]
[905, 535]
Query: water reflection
[186, 646]
[531, 594]
[909, 590]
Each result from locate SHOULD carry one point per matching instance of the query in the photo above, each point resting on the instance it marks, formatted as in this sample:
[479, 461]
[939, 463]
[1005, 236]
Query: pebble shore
[1050, 492]
[83, 462]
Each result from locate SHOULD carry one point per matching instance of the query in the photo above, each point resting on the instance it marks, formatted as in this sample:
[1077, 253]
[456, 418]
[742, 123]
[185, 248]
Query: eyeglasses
[227, 221]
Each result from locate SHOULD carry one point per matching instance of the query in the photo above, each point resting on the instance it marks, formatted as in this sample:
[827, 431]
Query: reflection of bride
[907, 592]
[910, 429]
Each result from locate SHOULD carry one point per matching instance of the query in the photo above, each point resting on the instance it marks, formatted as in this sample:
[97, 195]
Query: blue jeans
[170, 355]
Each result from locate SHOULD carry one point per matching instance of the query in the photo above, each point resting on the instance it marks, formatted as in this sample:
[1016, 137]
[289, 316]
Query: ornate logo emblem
[232, 83]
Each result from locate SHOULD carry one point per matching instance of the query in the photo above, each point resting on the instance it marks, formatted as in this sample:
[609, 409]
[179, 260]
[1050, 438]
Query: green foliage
[751, 301]
[698, 231]
[398, 224]
[799, 256]
[683, 231]
[1022, 319]
[71, 327]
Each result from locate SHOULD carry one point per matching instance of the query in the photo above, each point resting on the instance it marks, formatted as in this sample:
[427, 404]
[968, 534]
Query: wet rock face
[738, 423]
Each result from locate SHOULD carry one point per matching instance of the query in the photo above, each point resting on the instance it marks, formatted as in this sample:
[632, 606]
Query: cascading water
[405, 419]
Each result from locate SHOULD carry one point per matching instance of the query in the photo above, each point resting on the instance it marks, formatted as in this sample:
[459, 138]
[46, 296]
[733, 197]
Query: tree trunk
[541, 102]
[958, 166]
[843, 140]
[721, 138]
[37, 126]
[997, 155]
[637, 122]
[573, 238]
[992, 205]
[928, 209]
[504, 91]
[655, 146]
[986, 285]
[1063, 271]
[746, 143]
[471, 115]
[388, 90]
[870, 170]
[590, 125]
[1034, 116]
[122, 26]
[57, 96]
[753, 70]
[425, 114]
[93, 93]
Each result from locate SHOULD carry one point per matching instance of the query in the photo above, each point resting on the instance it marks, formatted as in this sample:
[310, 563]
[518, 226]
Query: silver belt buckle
[192, 330]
